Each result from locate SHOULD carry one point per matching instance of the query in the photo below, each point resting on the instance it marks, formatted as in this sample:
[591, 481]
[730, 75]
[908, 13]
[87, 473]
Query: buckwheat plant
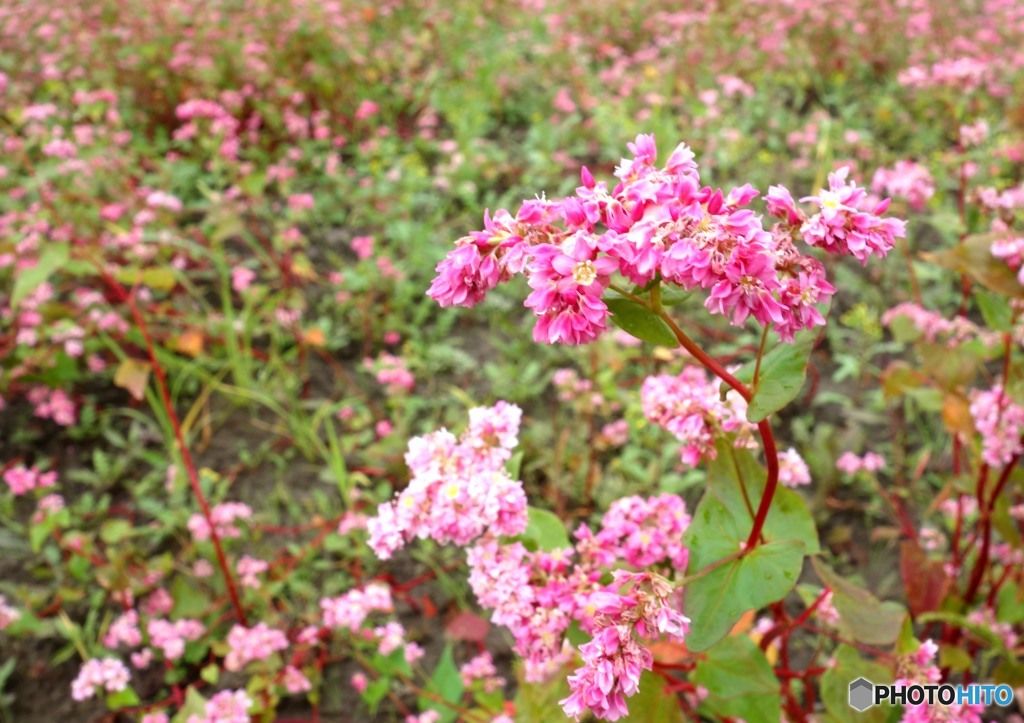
[624, 252]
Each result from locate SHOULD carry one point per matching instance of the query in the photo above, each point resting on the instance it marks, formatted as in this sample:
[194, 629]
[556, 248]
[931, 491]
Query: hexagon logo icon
[861, 694]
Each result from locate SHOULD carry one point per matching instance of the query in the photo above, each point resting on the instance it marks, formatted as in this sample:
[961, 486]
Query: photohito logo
[864, 694]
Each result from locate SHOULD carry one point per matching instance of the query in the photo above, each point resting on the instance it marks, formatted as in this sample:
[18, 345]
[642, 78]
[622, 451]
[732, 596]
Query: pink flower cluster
[690, 407]
[23, 479]
[482, 668]
[615, 658]
[907, 180]
[391, 372]
[1000, 422]
[1011, 250]
[348, 611]
[659, 222]
[171, 637]
[256, 643]
[919, 668]
[850, 223]
[228, 706]
[224, 517]
[935, 326]
[851, 464]
[108, 674]
[537, 595]
[8, 614]
[641, 532]
[459, 489]
[793, 471]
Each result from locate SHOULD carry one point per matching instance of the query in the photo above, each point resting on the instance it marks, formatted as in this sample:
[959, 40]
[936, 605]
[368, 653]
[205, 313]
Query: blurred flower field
[284, 436]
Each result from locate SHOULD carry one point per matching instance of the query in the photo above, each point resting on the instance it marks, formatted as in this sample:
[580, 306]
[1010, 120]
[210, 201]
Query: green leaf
[641, 322]
[835, 686]
[122, 699]
[995, 310]
[446, 682]
[195, 705]
[717, 600]
[974, 258]
[113, 531]
[862, 616]
[736, 477]
[535, 701]
[740, 682]
[189, 600]
[653, 702]
[51, 259]
[545, 530]
[781, 377]
[375, 692]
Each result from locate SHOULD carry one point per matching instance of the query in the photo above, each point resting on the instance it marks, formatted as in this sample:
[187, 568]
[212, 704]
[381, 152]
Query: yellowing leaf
[190, 344]
[133, 375]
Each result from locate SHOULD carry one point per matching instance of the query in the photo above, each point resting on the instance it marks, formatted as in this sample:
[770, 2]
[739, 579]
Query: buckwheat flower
[300, 202]
[427, 716]
[108, 674]
[459, 488]
[644, 532]
[256, 643]
[615, 658]
[23, 479]
[747, 289]
[907, 180]
[780, 204]
[413, 652]
[350, 610]
[154, 718]
[8, 614]
[224, 517]
[242, 278]
[142, 659]
[171, 637]
[690, 407]
[161, 199]
[390, 637]
[1000, 422]
[849, 463]
[481, 668]
[359, 682]
[845, 226]
[567, 283]
[479, 262]
[363, 246]
[294, 681]
[249, 569]
[124, 631]
[793, 471]
[227, 706]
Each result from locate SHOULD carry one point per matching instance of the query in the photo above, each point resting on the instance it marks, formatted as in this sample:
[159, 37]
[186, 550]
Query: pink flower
[256, 643]
[846, 223]
[363, 246]
[227, 706]
[241, 278]
[793, 471]
[567, 284]
[108, 674]
[300, 202]
[366, 109]
[8, 614]
[1000, 422]
[459, 489]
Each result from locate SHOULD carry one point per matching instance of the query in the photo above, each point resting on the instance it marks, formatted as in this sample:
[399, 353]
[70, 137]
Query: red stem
[764, 428]
[186, 456]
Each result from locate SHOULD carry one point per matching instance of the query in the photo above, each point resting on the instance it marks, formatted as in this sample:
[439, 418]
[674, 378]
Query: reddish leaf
[925, 581]
[467, 626]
